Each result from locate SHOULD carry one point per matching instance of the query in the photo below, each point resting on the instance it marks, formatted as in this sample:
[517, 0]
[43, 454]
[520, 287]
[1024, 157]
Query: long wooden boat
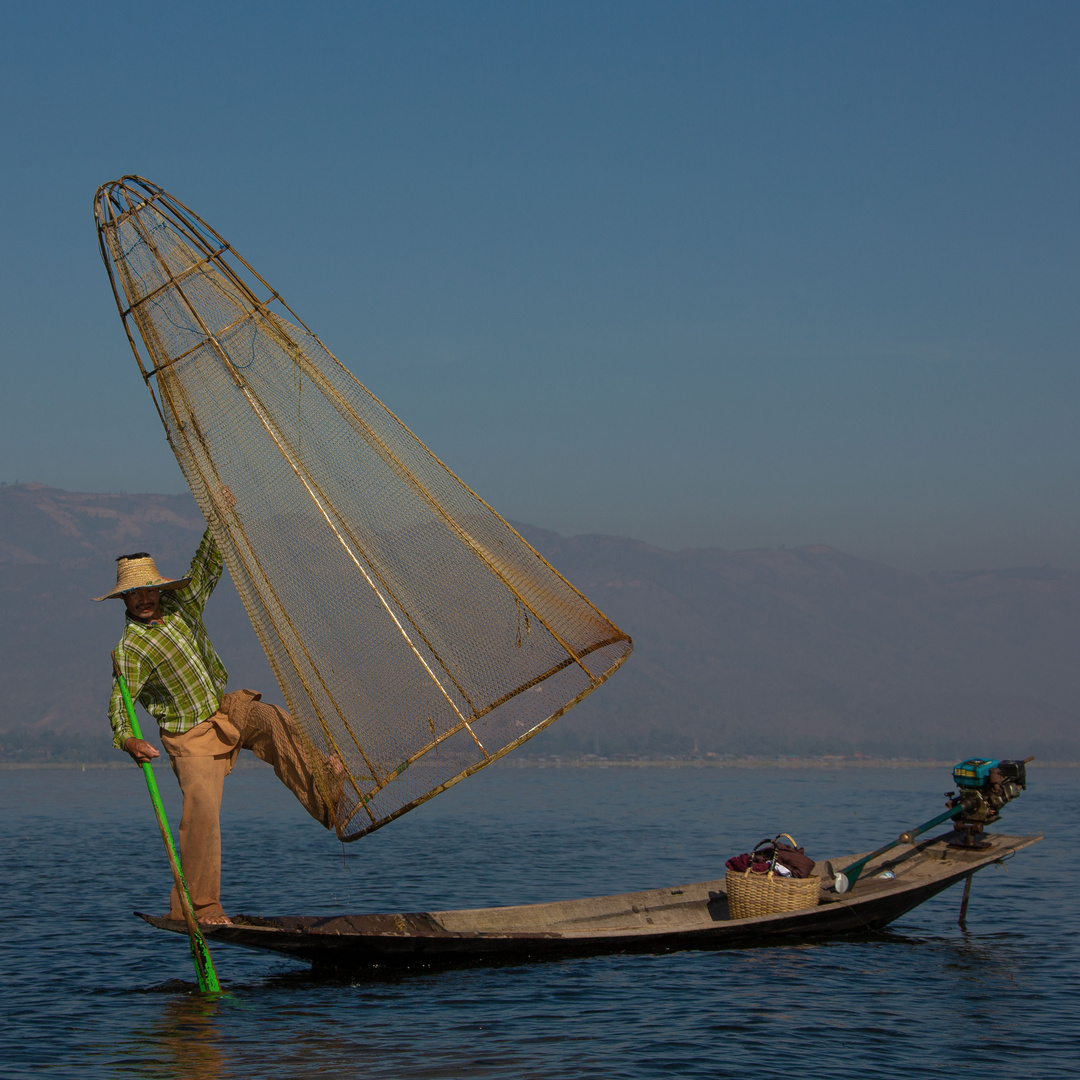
[680, 917]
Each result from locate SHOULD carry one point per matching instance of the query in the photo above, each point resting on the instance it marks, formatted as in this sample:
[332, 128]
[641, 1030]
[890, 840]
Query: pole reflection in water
[187, 1037]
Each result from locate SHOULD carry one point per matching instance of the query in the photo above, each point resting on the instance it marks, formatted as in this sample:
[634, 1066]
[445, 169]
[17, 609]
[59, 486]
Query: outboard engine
[985, 786]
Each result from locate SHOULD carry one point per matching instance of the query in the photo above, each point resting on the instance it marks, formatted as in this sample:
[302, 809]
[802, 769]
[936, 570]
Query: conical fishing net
[414, 633]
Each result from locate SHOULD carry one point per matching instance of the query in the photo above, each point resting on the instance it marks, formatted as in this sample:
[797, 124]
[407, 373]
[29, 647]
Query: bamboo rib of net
[414, 633]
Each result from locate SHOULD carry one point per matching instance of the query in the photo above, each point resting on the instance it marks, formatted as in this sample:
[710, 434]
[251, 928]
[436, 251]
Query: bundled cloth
[784, 859]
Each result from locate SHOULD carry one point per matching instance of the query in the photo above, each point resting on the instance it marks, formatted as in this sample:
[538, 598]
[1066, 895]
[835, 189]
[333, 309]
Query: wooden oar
[200, 952]
[845, 879]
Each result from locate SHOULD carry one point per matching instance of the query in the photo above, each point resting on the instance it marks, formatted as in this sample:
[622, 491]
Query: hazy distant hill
[798, 651]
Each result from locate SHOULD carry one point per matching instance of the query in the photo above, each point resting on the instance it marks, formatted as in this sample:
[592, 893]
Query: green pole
[200, 952]
[846, 878]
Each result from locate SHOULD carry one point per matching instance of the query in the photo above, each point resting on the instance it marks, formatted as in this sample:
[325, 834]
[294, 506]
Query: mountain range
[792, 651]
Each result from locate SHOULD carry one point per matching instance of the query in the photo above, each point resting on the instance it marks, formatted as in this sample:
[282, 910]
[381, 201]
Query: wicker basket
[750, 895]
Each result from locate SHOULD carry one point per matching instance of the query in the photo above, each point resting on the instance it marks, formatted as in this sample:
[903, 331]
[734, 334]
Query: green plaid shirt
[171, 668]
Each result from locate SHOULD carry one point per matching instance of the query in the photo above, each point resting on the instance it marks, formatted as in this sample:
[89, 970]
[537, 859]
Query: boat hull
[658, 920]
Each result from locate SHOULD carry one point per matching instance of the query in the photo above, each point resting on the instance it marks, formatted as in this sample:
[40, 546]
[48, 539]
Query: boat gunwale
[416, 927]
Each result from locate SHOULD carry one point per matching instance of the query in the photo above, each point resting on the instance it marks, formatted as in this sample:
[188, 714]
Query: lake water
[90, 991]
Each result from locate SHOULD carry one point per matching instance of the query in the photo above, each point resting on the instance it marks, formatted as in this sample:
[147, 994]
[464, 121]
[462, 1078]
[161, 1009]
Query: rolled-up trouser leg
[271, 734]
[201, 780]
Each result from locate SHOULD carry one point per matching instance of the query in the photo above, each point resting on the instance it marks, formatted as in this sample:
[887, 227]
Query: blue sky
[705, 274]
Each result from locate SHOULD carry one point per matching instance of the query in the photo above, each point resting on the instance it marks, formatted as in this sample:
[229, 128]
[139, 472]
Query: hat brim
[117, 594]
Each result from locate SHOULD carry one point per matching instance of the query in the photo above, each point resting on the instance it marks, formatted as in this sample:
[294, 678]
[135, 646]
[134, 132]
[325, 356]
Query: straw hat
[139, 572]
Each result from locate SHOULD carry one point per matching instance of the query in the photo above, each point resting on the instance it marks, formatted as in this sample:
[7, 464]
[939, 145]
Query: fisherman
[173, 671]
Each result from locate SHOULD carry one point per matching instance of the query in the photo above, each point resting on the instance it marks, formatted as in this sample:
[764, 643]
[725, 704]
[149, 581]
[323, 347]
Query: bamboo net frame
[415, 635]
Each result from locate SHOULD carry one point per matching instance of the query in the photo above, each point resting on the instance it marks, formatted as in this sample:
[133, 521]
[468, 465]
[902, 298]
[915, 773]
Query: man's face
[143, 604]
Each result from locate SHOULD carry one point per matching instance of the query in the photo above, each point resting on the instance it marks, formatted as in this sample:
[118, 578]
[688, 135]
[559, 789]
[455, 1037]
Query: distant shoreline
[590, 761]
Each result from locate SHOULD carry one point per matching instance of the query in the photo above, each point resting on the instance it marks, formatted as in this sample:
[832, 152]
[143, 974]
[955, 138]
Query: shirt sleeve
[135, 675]
[205, 573]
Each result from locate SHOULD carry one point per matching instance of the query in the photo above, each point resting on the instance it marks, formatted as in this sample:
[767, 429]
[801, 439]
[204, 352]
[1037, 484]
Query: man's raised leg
[271, 734]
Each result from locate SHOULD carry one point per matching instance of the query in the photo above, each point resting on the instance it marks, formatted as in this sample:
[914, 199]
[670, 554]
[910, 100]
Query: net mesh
[415, 635]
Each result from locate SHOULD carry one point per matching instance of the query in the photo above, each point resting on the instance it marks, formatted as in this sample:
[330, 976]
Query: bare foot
[216, 920]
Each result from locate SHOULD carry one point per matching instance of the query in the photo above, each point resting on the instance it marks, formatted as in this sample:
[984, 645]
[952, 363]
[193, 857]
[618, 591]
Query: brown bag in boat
[794, 858]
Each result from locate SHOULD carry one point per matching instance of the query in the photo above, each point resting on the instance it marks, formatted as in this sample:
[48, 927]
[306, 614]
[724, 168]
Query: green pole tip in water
[200, 951]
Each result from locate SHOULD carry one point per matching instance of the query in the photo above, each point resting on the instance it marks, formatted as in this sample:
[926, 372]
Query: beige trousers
[205, 755]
